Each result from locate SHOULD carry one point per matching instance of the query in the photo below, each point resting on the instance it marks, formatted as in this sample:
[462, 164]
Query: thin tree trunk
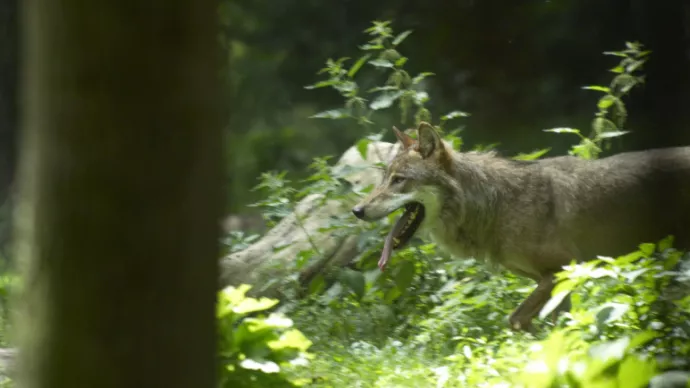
[120, 181]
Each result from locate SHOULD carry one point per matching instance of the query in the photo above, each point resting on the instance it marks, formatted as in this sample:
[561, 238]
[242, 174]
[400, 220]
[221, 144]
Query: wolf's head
[412, 181]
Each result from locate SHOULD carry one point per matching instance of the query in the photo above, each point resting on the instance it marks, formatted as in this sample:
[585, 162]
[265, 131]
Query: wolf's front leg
[521, 318]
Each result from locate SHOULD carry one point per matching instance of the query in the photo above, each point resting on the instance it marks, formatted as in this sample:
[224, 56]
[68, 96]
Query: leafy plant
[609, 121]
[254, 350]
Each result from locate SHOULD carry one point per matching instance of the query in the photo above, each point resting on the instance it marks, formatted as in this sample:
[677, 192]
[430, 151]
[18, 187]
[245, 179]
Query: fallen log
[260, 264]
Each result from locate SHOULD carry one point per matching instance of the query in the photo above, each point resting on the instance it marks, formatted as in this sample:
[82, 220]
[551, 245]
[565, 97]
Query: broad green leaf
[354, 280]
[642, 338]
[635, 372]
[454, 114]
[613, 350]
[291, 339]
[330, 114]
[606, 101]
[278, 321]
[611, 312]
[262, 365]
[647, 249]
[405, 275]
[399, 39]
[251, 305]
[381, 63]
[362, 147]
[552, 304]
[385, 100]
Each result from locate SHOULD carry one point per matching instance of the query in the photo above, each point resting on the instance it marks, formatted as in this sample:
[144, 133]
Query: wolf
[531, 217]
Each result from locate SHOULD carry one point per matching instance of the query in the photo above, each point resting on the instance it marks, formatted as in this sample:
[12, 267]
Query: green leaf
[383, 88]
[635, 372]
[330, 114]
[611, 312]
[251, 305]
[405, 275]
[385, 100]
[648, 249]
[563, 130]
[362, 147]
[611, 134]
[399, 39]
[454, 114]
[606, 101]
[371, 47]
[613, 350]
[353, 280]
[358, 65]
[617, 70]
[552, 304]
[381, 63]
[597, 88]
[322, 84]
[532, 155]
[642, 338]
[291, 339]
[420, 77]
[262, 365]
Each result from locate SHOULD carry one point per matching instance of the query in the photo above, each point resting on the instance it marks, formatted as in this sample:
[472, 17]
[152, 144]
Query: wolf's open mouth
[402, 231]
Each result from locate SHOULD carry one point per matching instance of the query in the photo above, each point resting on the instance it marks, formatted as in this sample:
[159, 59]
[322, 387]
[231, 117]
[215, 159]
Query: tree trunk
[120, 188]
[8, 112]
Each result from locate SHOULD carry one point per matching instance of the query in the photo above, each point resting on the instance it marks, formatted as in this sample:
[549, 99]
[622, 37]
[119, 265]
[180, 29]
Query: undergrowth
[434, 321]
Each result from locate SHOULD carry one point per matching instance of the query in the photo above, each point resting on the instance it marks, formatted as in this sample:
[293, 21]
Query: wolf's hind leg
[521, 318]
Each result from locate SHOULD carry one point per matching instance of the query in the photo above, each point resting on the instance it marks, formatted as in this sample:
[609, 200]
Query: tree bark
[120, 187]
[8, 112]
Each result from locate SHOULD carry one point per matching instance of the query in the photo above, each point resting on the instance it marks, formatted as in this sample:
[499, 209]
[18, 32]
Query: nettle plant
[373, 88]
[609, 120]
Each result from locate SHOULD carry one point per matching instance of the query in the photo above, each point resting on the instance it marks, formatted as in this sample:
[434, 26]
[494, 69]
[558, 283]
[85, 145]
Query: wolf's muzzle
[358, 211]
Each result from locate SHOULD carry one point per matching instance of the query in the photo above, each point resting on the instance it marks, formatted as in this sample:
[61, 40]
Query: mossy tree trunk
[120, 194]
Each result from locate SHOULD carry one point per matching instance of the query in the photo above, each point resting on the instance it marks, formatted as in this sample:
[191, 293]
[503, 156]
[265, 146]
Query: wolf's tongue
[388, 244]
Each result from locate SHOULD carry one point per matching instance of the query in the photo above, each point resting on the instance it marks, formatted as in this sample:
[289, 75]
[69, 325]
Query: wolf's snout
[358, 211]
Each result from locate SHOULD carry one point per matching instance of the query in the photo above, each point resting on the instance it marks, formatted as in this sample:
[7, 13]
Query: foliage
[254, 350]
[431, 321]
[612, 114]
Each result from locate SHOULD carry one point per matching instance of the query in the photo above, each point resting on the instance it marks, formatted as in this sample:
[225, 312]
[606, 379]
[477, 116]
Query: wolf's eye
[397, 179]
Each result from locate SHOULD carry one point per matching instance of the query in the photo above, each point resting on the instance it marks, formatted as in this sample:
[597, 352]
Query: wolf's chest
[451, 238]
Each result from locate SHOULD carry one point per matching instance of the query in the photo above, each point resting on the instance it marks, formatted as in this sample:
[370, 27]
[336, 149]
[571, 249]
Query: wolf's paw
[521, 323]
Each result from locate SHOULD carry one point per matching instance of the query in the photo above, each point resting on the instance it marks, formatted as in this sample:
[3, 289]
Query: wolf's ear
[404, 138]
[429, 140]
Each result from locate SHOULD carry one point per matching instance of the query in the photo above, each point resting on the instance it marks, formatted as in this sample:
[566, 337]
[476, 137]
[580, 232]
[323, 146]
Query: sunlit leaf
[597, 88]
[358, 65]
[611, 312]
[385, 100]
[381, 63]
[264, 366]
[330, 114]
[362, 147]
[399, 39]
